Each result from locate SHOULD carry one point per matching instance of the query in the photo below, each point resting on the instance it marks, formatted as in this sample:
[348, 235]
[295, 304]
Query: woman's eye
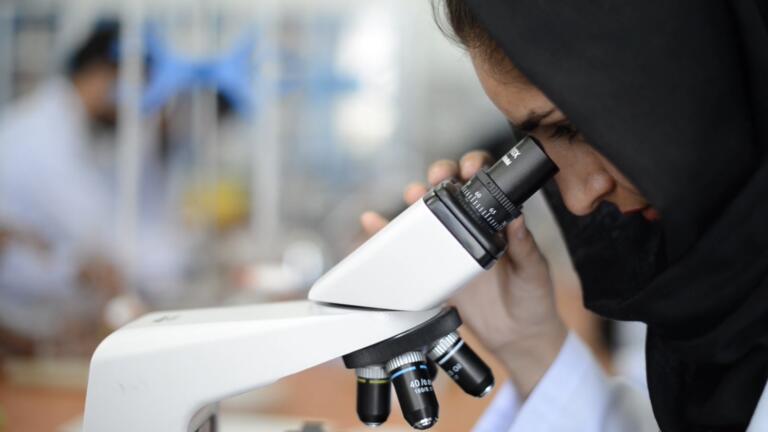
[564, 130]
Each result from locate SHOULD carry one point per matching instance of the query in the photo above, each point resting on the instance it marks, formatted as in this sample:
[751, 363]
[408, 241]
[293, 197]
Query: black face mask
[615, 256]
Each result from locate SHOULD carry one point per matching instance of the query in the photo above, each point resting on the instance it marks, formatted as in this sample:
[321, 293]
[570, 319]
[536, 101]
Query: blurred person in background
[656, 115]
[10, 341]
[58, 186]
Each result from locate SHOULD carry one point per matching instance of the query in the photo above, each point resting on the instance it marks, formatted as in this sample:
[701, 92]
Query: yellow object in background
[223, 204]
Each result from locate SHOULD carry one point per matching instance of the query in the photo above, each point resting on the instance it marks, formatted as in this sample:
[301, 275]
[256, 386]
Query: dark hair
[99, 48]
[467, 30]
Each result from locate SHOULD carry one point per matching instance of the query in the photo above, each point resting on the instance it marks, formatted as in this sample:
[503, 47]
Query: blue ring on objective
[402, 371]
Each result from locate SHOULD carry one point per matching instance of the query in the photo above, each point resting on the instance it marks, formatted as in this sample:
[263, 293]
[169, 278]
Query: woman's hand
[510, 308]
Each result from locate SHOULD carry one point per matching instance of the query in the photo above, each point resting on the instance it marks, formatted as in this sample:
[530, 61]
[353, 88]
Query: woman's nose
[582, 195]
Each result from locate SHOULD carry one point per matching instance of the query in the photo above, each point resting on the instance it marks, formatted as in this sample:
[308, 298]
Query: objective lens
[373, 395]
[462, 364]
[495, 195]
[432, 367]
[409, 374]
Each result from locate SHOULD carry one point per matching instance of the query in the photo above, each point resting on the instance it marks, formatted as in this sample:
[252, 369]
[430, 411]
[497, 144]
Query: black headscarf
[675, 94]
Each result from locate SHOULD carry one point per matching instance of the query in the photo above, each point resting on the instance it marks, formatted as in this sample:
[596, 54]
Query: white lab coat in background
[51, 184]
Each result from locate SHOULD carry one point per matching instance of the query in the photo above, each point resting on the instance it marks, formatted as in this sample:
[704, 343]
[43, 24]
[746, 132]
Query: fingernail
[518, 229]
[467, 168]
[521, 233]
[434, 174]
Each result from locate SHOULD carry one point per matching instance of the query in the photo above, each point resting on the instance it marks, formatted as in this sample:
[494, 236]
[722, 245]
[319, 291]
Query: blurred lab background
[178, 153]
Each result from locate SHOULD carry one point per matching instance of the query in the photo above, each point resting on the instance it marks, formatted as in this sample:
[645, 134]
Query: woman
[657, 115]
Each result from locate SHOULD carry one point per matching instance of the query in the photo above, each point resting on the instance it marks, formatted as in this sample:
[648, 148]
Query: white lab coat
[576, 395]
[51, 184]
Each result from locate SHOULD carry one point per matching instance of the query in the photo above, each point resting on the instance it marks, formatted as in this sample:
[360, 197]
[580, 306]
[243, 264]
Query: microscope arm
[157, 372]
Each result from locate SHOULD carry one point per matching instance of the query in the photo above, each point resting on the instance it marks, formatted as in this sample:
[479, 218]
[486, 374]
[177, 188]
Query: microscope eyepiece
[476, 212]
[373, 395]
[409, 374]
[496, 195]
[461, 363]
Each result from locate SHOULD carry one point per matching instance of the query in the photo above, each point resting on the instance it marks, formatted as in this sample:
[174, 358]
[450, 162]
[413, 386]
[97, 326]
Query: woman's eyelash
[564, 130]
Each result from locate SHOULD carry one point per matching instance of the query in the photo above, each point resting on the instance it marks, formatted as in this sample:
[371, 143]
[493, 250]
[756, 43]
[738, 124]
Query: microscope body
[166, 371]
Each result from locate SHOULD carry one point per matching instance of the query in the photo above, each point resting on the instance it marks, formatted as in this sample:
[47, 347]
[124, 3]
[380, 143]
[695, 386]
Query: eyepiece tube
[496, 194]
[522, 171]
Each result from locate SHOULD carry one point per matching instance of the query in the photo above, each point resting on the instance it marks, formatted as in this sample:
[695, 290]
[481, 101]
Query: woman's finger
[522, 251]
[472, 162]
[372, 222]
[441, 170]
[413, 192]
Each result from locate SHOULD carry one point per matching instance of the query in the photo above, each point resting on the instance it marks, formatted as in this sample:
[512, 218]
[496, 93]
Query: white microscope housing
[166, 371]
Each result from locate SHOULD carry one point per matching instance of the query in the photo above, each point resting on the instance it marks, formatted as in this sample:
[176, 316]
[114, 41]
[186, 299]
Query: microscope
[378, 309]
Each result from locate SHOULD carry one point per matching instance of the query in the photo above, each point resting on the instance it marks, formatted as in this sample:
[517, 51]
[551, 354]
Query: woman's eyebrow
[532, 121]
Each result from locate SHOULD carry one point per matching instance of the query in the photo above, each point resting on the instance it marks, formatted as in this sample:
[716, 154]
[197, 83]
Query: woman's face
[586, 178]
